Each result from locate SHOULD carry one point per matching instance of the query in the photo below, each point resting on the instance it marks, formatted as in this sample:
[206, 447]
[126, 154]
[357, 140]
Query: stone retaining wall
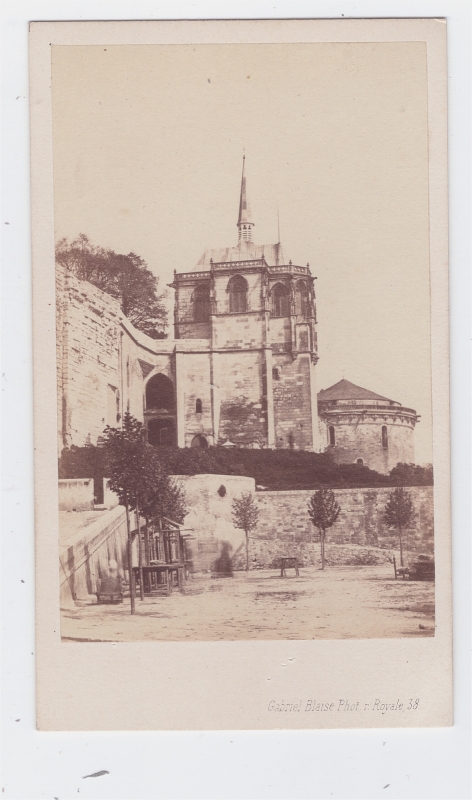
[284, 526]
[76, 494]
[86, 557]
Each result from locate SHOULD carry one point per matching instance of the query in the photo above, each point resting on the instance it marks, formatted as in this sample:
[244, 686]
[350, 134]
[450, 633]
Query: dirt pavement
[339, 603]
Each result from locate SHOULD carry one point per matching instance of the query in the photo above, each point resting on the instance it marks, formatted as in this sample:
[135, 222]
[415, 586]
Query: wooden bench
[287, 562]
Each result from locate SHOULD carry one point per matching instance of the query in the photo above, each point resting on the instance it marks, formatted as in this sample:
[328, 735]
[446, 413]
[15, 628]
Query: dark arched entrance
[160, 393]
[160, 411]
[199, 441]
[161, 432]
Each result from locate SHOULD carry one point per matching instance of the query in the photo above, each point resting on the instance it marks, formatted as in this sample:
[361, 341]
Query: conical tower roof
[345, 390]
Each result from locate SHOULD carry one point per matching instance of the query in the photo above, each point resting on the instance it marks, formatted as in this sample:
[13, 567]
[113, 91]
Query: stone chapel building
[240, 371]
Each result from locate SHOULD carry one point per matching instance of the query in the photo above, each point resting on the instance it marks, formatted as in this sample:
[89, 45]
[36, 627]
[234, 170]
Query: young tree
[399, 513]
[125, 277]
[245, 515]
[128, 458]
[164, 499]
[323, 511]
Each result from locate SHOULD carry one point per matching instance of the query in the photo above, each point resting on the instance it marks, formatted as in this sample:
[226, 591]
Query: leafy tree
[128, 462]
[125, 277]
[245, 515]
[164, 499]
[323, 511]
[412, 475]
[399, 513]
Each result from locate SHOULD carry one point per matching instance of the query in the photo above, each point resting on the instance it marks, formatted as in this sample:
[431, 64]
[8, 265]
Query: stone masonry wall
[292, 402]
[102, 361]
[359, 536]
[242, 410]
[197, 386]
[89, 358]
[285, 527]
[363, 439]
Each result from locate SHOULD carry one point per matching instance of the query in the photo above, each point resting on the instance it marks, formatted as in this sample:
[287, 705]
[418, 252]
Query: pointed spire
[244, 223]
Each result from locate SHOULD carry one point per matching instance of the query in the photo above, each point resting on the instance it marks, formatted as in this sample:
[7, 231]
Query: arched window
[303, 341]
[198, 406]
[384, 436]
[237, 288]
[360, 461]
[279, 301]
[332, 436]
[201, 300]
[199, 441]
[160, 393]
[301, 299]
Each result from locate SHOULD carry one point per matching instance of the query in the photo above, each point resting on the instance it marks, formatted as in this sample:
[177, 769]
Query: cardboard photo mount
[234, 685]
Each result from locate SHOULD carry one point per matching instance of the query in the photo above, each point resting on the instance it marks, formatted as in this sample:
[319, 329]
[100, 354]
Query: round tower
[365, 428]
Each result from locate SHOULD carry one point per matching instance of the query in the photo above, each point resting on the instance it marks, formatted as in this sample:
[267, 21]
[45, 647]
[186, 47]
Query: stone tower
[255, 316]
[363, 427]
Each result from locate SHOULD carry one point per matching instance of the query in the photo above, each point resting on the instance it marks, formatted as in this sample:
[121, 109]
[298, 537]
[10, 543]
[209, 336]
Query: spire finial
[244, 223]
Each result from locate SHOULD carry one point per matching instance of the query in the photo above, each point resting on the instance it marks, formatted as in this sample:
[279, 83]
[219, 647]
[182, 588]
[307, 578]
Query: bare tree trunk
[147, 556]
[132, 589]
[322, 550]
[247, 551]
[401, 546]
[140, 555]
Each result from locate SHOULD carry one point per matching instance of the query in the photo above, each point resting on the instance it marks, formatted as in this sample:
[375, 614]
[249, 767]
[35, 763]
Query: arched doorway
[199, 441]
[160, 411]
[161, 432]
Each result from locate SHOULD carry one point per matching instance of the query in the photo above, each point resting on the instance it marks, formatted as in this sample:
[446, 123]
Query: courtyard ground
[338, 603]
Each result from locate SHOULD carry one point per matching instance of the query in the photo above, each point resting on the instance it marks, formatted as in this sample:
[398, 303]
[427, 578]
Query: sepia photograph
[243, 341]
[241, 366]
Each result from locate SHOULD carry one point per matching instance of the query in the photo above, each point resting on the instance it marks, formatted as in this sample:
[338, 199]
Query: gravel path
[339, 603]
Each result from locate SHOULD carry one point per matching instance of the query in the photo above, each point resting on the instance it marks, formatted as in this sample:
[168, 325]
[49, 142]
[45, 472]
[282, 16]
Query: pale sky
[148, 144]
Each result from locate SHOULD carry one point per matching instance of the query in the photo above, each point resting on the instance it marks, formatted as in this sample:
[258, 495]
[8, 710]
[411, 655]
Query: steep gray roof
[345, 390]
[243, 251]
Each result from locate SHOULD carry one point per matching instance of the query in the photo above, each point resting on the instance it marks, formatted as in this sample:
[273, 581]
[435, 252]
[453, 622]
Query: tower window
[301, 299]
[237, 288]
[332, 436]
[198, 406]
[202, 304]
[275, 374]
[384, 436]
[303, 341]
[280, 303]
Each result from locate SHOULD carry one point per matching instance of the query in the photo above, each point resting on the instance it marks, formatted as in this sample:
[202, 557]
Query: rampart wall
[284, 527]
